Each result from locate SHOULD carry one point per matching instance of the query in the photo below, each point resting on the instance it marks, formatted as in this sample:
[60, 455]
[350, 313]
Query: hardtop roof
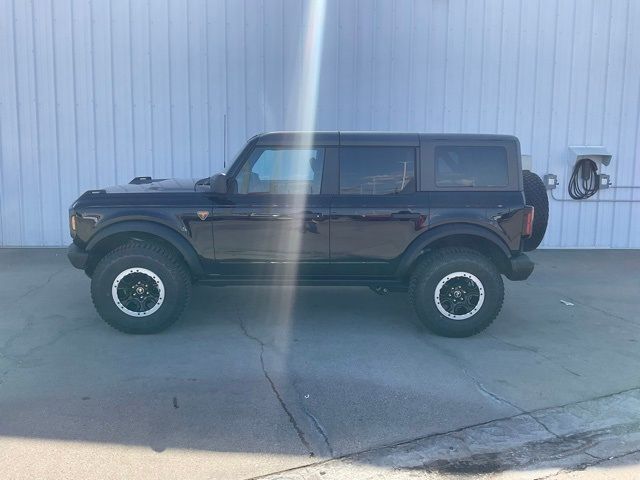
[345, 138]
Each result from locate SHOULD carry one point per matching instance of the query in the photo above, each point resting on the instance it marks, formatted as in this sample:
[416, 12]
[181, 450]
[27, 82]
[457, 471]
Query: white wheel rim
[122, 303]
[445, 297]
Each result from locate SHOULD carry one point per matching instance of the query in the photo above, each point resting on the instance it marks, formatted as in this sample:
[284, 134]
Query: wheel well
[475, 242]
[112, 242]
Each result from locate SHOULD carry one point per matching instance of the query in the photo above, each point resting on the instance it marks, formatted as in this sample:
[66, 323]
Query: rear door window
[471, 166]
[377, 170]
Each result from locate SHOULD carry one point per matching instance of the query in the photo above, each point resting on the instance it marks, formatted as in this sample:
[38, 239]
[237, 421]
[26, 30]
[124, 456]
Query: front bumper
[78, 257]
[521, 267]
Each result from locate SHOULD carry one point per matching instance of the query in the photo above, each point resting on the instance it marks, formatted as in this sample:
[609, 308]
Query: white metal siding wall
[95, 92]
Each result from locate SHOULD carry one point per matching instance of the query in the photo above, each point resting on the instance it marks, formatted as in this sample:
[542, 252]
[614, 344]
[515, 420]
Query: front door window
[282, 171]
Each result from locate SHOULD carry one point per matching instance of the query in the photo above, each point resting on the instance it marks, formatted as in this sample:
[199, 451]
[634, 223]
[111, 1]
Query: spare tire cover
[535, 194]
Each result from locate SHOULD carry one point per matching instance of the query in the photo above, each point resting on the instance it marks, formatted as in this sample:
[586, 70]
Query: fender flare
[168, 234]
[414, 250]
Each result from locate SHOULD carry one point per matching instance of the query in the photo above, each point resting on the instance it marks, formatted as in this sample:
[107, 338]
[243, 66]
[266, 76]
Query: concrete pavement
[253, 381]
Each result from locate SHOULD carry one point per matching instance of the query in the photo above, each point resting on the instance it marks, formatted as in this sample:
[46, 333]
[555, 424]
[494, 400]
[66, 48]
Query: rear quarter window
[471, 166]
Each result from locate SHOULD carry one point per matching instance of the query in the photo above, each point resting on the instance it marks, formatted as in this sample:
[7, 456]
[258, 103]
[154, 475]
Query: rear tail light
[527, 222]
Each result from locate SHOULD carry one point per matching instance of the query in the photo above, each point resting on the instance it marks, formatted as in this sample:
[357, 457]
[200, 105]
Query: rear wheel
[140, 288]
[456, 292]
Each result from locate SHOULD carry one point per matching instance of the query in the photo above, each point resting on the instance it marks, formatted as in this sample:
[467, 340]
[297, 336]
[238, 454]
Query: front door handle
[406, 215]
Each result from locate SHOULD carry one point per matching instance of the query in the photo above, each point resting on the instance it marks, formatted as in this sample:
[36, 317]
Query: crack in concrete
[489, 393]
[462, 366]
[28, 322]
[525, 455]
[39, 287]
[539, 422]
[277, 394]
[316, 423]
[584, 466]
[531, 413]
[535, 352]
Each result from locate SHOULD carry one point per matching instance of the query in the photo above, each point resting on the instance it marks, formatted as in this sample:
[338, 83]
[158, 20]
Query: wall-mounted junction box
[604, 181]
[550, 181]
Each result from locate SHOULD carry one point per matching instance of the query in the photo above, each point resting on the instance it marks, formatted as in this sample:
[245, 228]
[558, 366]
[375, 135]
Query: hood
[149, 185]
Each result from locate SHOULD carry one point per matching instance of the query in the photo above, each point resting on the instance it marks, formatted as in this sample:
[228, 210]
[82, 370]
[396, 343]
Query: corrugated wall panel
[93, 92]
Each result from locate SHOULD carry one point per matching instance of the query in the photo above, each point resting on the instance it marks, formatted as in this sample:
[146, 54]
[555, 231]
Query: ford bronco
[441, 216]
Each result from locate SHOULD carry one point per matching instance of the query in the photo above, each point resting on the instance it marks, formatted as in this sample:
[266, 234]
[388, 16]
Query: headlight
[73, 224]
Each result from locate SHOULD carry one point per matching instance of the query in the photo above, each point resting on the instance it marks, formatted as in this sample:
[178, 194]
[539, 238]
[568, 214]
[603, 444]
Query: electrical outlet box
[527, 162]
[603, 180]
[550, 181]
[597, 153]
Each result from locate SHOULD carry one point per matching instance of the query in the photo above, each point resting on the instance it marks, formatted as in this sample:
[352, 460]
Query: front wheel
[140, 288]
[456, 292]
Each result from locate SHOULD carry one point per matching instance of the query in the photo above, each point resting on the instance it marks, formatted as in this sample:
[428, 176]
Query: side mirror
[218, 183]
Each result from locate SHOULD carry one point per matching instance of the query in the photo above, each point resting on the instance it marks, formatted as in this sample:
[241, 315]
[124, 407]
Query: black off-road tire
[164, 264]
[435, 267]
[535, 194]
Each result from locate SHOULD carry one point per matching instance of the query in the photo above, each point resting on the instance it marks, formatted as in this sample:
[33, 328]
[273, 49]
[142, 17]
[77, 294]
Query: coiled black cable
[584, 182]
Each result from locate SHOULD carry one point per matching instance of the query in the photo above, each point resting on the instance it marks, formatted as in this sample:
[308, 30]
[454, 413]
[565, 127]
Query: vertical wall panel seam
[75, 98]
[498, 99]
[171, 100]
[553, 83]
[585, 134]
[189, 105]
[427, 72]
[536, 67]
[131, 93]
[244, 67]
[2, 178]
[482, 44]
[114, 127]
[151, 93]
[208, 86]
[620, 112]
[392, 61]
[636, 145]
[264, 66]
[56, 116]
[568, 124]
[282, 70]
[19, 133]
[603, 115]
[93, 96]
[338, 63]
[373, 52]
[356, 54]
[410, 92]
[36, 83]
[518, 62]
[226, 78]
[464, 63]
[445, 70]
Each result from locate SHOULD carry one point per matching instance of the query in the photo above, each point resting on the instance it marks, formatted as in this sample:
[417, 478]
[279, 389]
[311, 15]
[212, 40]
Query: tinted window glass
[471, 166]
[295, 171]
[377, 170]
